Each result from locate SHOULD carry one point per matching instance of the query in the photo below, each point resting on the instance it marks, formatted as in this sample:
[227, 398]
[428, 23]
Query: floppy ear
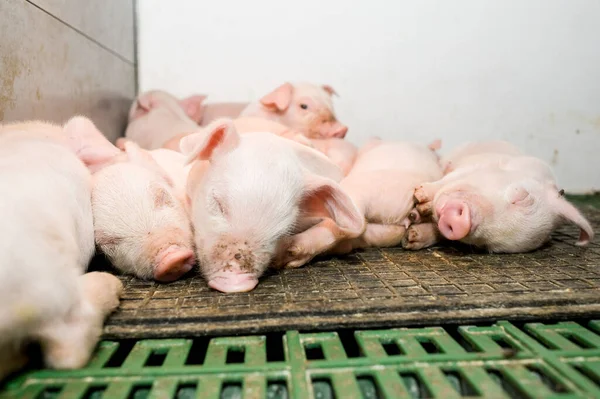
[315, 161]
[193, 107]
[88, 143]
[322, 194]
[567, 211]
[216, 139]
[141, 157]
[279, 99]
[517, 194]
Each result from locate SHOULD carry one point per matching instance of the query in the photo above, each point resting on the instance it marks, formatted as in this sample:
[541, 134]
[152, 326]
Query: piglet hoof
[412, 240]
[173, 263]
[296, 257]
[425, 209]
[420, 195]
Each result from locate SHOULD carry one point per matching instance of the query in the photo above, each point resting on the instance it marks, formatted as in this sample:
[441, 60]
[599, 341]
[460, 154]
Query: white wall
[523, 70]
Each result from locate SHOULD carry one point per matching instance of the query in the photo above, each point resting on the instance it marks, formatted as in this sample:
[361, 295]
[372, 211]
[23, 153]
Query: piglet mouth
[231, 282]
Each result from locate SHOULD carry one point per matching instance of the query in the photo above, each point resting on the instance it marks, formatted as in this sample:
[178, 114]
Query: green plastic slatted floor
[559, 360]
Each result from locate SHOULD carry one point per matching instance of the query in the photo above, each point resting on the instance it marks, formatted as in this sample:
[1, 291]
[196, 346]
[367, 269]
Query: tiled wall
[64, 57]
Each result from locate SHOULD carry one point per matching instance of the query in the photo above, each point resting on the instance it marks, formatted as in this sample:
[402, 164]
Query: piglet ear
[316, 162]
[568, 212]
[141, 157]
[193, 107]
[141, 106]
[517, 194]
[88, 143]
[329, 90]
[216, 139]
[322, 193]
[279, 99]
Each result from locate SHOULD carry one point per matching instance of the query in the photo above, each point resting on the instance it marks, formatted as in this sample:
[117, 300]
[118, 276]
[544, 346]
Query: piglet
[140, 219]
[248, 192]
[46, 243]
[304, 107]
[497, 199]
[156, 117]
[381, 183]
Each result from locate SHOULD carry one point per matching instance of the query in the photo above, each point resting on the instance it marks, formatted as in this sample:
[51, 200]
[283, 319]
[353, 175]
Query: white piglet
[46, 243]
[251, 191]
[494, 198]
[140, 219]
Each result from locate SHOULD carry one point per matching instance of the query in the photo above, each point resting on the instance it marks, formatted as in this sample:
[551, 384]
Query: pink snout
[454, 219]
[173, 263]
[334, 129]
[229, 282]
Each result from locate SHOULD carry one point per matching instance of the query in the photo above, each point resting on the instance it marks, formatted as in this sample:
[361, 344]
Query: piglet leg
[69, 343]
[375, 235]
[302, 247]
[420, 236]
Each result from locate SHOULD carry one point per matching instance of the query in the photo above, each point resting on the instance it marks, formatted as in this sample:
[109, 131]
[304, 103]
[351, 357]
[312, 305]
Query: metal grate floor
[377, 289]
[559, 360]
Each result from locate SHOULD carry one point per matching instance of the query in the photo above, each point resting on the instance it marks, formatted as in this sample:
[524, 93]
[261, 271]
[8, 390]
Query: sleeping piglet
[497, 199]
[46, 243]
[156, 116]
[304, 107]
[140, 220]
[381, 183]
[250, 191]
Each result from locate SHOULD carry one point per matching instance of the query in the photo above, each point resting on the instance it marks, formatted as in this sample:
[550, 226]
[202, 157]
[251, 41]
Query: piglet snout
[172, 263]
[338, 130]
[454, 219]
[231, 281]
[333, 129]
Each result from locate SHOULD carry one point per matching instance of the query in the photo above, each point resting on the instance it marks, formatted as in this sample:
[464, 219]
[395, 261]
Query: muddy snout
[231, 267]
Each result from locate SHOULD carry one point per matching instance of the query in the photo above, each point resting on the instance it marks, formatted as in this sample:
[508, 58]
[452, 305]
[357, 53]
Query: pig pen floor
[378, 288]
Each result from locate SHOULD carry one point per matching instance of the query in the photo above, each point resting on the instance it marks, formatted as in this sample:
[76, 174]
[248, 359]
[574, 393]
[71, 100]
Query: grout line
[136, 57]
[82, 34]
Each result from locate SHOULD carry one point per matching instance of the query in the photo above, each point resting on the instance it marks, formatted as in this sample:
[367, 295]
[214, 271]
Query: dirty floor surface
[378, 288]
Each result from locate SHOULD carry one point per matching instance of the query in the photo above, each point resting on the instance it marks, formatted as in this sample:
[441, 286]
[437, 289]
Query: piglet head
[245, 199]
[505, 216]
[306, 108]
[140, 225]
[192, 106]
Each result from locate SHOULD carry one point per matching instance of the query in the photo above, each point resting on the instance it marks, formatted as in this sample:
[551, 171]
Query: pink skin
[214, 111]
[172, 263]
[233, 281]
[454, 219]
[304, 107]
[156, 117]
